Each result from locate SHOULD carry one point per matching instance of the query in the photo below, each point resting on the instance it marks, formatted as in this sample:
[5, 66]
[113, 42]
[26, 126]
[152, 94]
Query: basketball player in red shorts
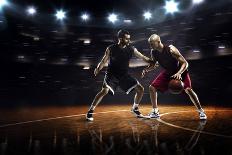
[175, 66]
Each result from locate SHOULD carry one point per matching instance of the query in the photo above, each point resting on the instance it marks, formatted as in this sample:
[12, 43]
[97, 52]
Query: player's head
[124, 37]
[154, 41]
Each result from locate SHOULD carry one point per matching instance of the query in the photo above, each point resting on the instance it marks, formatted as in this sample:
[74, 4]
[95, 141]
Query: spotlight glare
[197, 1]
[86, 67]
[87, 41]
[85, 17]
[147, 15]
[196, 51]
[42, 59]
[127, 21]
[112, 18]
[221, 47]
[171, 6]
[31, 10]
[3, 3]
[21, 56]
[60, 15]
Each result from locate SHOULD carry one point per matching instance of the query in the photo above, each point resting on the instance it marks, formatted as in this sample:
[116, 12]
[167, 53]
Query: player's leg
[128, 83]
[96, 101]
[153, 96]
[193, 96]
[109, 84]
[99, 97]
[161, 84]
[138, 97]
[139, 94]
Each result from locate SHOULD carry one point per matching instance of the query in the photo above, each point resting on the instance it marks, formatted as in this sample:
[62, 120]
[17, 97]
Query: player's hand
[177, 76]
[151, 62]
[143, 73]
[96, 71]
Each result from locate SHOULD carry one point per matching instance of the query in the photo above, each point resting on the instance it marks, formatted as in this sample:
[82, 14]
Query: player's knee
[140, 88]
[105, 91]
[152, 88]
[188, 90]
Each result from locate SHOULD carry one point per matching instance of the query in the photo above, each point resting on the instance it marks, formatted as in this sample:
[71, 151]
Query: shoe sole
[205, 118]
[154, 117]
[139, 116]
[146, 117]
[88, 119]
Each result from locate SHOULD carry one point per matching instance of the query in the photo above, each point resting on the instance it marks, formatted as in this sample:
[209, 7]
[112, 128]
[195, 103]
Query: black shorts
[125, 82]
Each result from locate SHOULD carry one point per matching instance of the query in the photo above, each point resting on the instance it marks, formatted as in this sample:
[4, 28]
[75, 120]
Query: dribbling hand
[177, 76]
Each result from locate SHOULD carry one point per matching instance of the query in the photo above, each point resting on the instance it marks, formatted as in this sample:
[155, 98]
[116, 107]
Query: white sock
[155, 110]
[135, 106]
[201, 110]
[92, 108]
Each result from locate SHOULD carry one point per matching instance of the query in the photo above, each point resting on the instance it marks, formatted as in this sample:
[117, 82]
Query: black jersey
[166, 60]
[119, 59]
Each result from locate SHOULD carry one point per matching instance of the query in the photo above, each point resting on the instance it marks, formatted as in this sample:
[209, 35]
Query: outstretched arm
[150, 67]
[141, 56]
[102, 62]
[184, 64]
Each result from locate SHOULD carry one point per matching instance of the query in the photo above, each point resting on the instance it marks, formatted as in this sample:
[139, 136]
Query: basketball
[175, 86]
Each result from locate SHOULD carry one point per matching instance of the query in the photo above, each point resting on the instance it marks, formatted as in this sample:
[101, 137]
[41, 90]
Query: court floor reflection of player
[175, 66]
[119, 55]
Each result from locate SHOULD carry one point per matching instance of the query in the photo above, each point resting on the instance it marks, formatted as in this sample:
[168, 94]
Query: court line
[54, 118]
[160, 120]
[189, 129]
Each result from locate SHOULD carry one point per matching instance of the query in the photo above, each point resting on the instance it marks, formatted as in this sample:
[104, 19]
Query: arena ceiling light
[196, 51]
[113, 18]
[3, 3]
[171, 6]
[127, 21]
[86, 67]
[147, 15]
[221, 46]
[197, 1]
[31, 10]
[60, 15]
[85, 17]
[87, 41]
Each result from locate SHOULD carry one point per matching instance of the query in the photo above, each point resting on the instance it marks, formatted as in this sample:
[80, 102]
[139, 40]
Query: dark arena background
[48, 53]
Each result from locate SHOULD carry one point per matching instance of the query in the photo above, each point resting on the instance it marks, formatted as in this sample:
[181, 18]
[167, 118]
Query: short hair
[153, 37]
[121, 33]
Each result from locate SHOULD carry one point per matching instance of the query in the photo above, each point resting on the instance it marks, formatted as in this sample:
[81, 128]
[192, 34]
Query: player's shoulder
[110, 47]
[132, 47]
[172, 48]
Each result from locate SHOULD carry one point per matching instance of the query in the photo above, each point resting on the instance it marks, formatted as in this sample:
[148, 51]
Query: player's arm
[102, 62]
[150, 67]
[184, 64]
[141, 56]
[153, 65]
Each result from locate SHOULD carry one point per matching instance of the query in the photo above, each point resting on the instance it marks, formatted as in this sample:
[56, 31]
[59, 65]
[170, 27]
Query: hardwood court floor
[64, 130]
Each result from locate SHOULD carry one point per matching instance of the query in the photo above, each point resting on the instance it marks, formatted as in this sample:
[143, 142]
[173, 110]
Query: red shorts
[162, 80]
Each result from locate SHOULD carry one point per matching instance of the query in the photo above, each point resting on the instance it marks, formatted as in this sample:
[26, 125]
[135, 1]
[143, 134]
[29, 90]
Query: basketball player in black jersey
[175, 66]
[117, 75]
